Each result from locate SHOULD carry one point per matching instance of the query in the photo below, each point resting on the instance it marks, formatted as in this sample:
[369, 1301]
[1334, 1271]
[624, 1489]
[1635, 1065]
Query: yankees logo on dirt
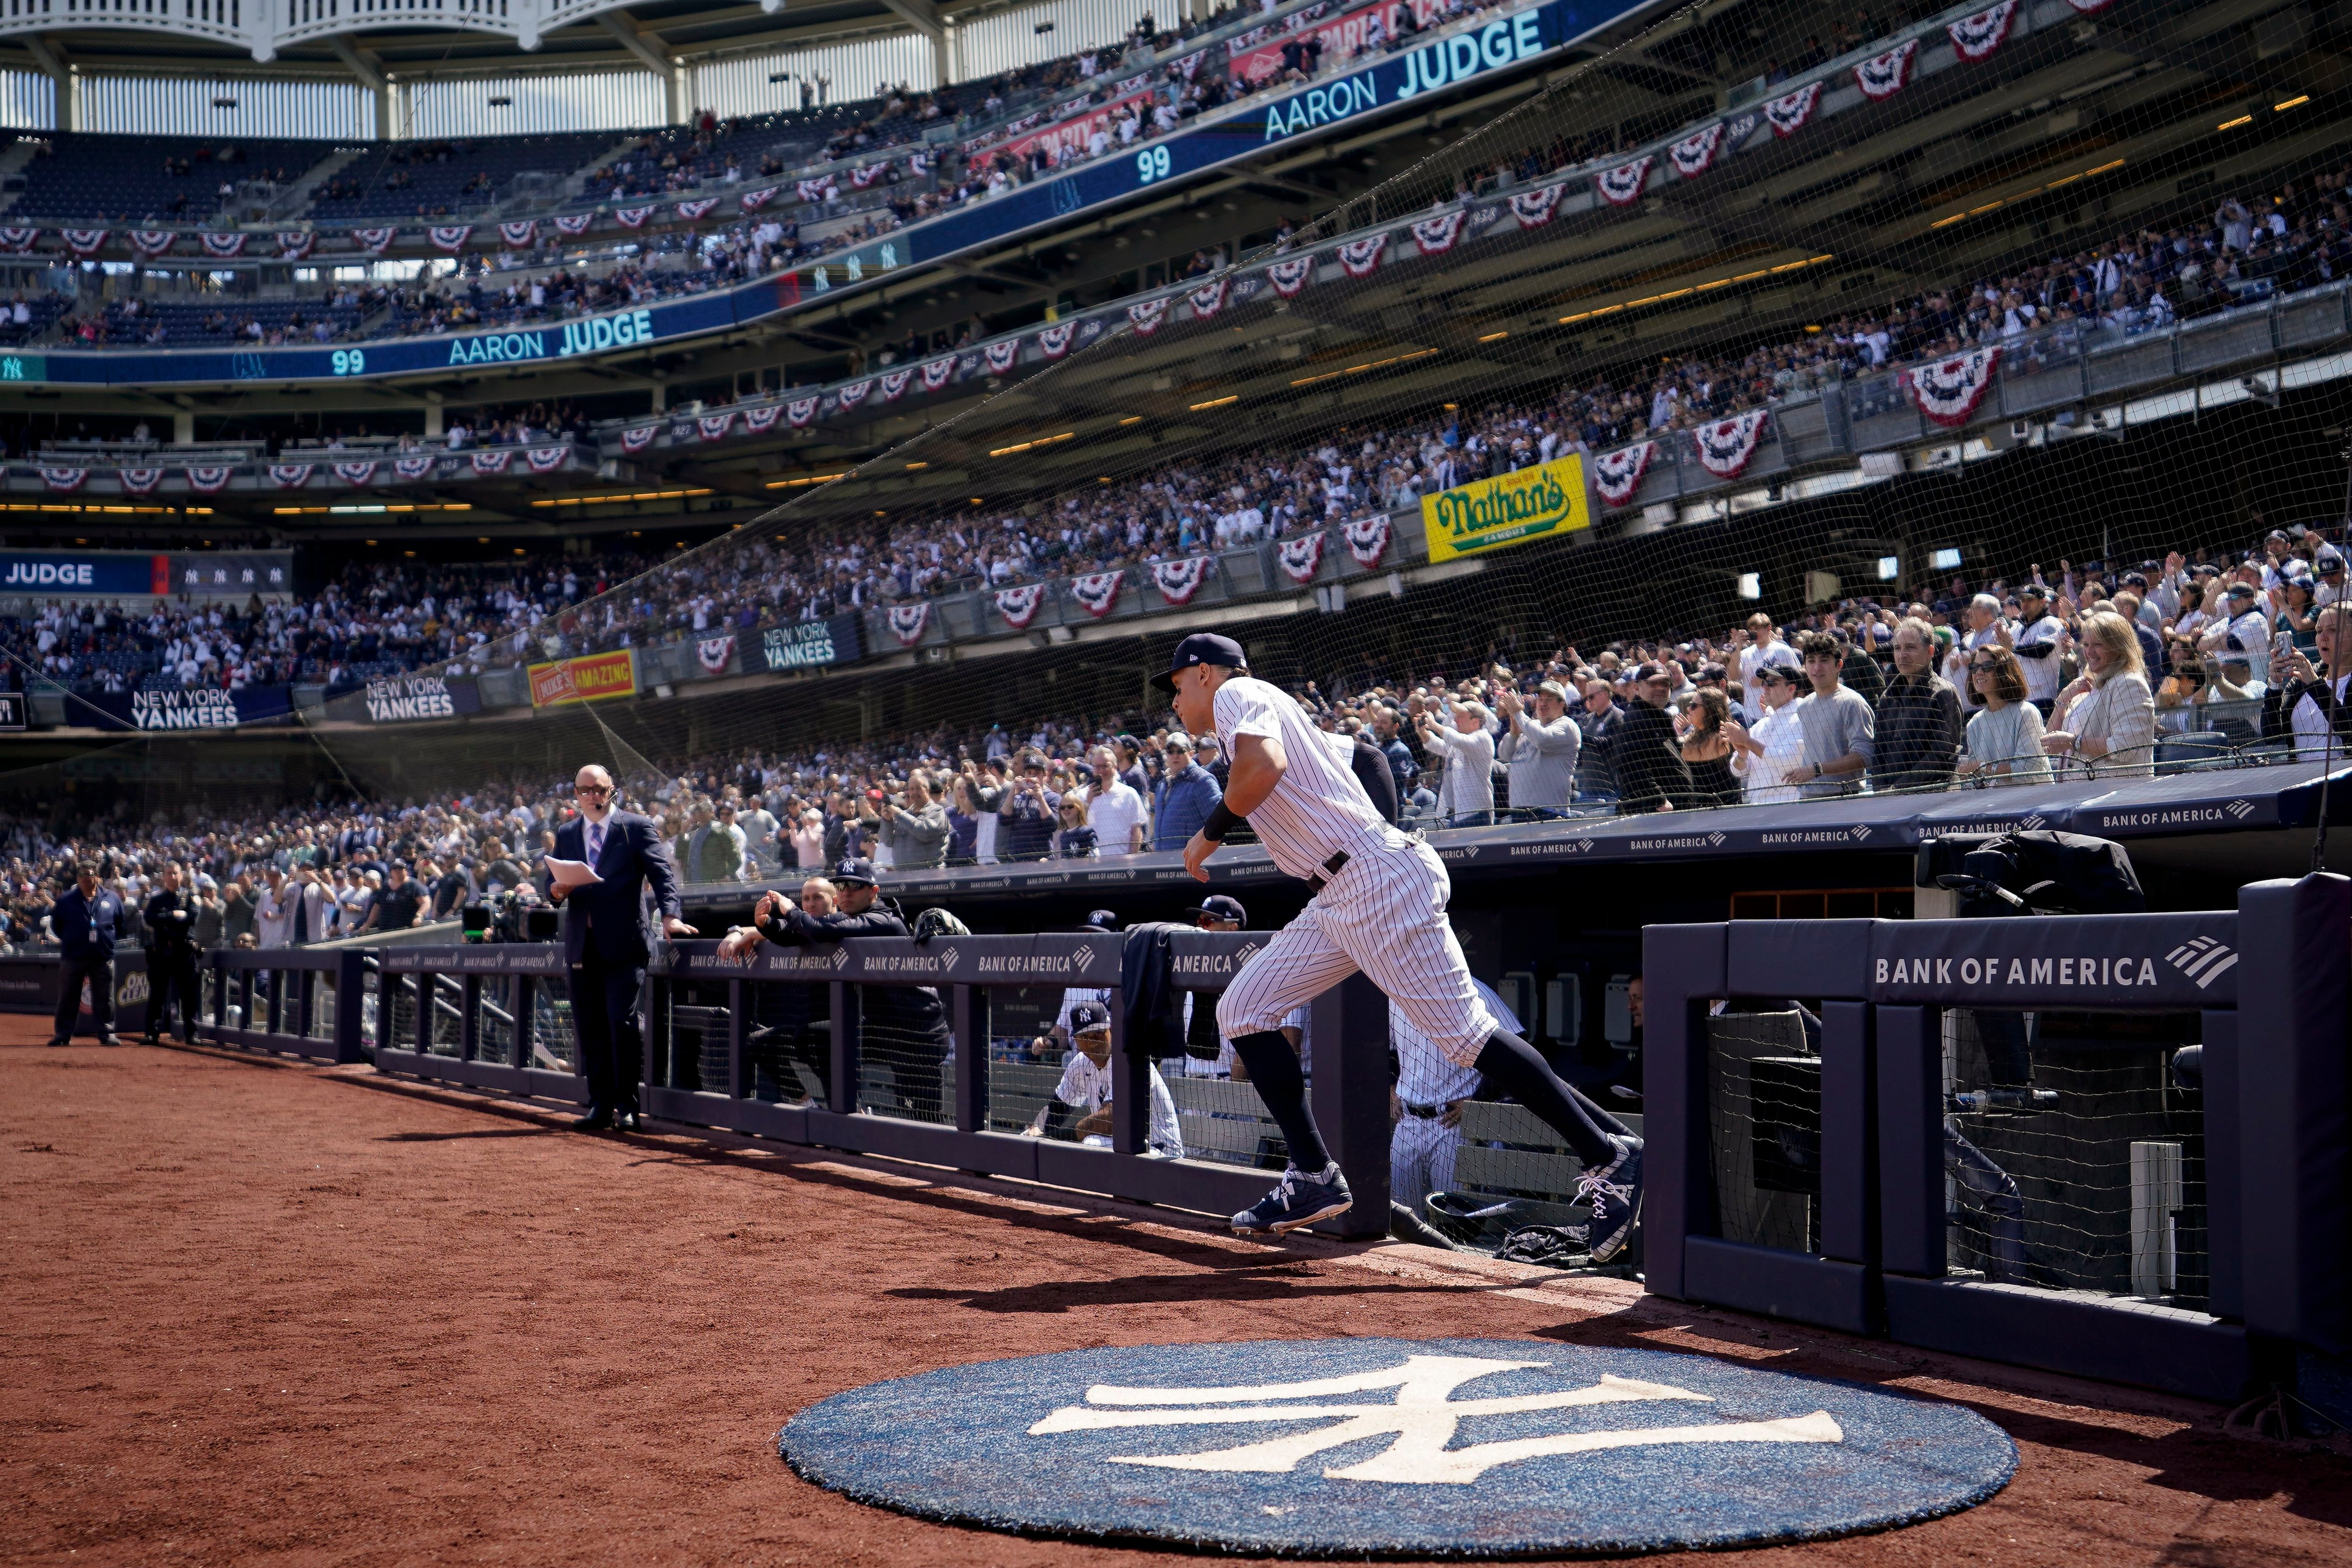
[1380, 1447]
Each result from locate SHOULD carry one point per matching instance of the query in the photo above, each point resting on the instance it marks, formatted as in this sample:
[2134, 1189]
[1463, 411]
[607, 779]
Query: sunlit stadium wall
[747, 84]
[1005, 40]
[216, 106]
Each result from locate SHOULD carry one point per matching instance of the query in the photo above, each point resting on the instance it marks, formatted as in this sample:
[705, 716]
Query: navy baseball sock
[1514, 1066]
[1274, 1069]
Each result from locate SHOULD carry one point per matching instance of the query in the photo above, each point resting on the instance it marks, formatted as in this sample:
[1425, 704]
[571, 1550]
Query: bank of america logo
[2240, 809]
[1082, 956]
[1716, 838]
[1859, 831]
[840, 956]
[2203, 960]
[947, 960]
[1244, 954]
[2029, 823]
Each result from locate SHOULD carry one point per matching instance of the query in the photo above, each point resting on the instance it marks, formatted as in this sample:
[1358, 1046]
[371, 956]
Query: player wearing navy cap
[1379, 907]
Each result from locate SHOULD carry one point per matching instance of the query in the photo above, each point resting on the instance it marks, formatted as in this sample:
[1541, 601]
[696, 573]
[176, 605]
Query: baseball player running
[1378, 906]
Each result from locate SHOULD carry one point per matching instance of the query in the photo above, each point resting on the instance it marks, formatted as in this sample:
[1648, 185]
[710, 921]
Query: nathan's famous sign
[1541, 502]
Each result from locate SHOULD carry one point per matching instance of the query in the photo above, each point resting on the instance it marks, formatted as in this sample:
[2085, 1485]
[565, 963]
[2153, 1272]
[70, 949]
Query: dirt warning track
[276, 1313]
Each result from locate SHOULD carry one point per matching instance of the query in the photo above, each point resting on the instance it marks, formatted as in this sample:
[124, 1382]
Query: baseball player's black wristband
[1220, 822]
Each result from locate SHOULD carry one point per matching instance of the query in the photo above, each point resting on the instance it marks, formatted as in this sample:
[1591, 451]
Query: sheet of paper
[572, 873]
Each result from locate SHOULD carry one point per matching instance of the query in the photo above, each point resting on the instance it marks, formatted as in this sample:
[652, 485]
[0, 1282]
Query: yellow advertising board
[1542, 502]
[585, 679]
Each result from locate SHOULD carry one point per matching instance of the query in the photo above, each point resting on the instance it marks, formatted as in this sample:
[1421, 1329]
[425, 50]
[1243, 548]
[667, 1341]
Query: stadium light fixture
[1132, 419]
[2233, 124]
[911, 467]
[2290, 103]
[1945, 560]
[1493, 337]
[1751, 585]
[1032, 446]
[1216, 402]
[1890, 567]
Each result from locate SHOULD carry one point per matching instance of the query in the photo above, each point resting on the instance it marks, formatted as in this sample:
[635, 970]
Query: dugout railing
[284, 1001]
[809, 1045]
[2103, 1206]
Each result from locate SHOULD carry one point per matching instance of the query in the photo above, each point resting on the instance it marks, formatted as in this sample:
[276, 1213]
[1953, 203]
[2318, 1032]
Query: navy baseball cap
[1201, 647]
[1102, 920]
[857, 871]
[1090, 1018]
[1221, 907]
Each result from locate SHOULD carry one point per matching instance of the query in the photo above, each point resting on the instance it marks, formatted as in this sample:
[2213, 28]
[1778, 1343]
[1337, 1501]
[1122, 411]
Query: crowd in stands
[2075, 670]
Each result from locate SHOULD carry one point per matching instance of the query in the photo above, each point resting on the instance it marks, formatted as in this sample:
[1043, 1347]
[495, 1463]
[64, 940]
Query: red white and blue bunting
[714, 654]
[1146, 315]
[1289, 277]
[760, 421]
[1725, 447]
[632, 218]
[1947, 391]
[861, 178]
[83, 241]
[1881, 76]
[139, 481]
[1368, 540]
[1978, 38]
[1788, 112]
[753, 201]
[520, 236]
[637, 437]
[1694, 154]
[415, 467]
[291, 476]
[714, 427]
[295, 243]
[818, 190]
[1019, 606]
[493, 462]
[1435, 236]
[937, 373]
[64, 479]
[1622, 185]
[1097, 592]
[1178, 581]
[1617, 475]
[894, 385]
[223, 246]
[908, 622]
[571, 226]
[801, 410]
[1534, 209]
[19, 240]
[450, 237]
[1302, 557]
[1002, 356]
[689, 211]
[1053, 342]
[853, 393]
[1361, 257]
[210, 480]
[153, 241]
[355, 473]
[1207, 301]
[375, 241]
[546, 459]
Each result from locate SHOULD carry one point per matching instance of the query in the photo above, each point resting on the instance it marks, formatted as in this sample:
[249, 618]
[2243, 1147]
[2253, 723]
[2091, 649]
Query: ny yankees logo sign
[1423, 1419]
[1370, 1447]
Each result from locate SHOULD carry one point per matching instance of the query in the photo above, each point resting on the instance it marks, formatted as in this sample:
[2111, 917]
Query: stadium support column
[45, 54]
[924, 17]
[654, 55]
[369, 75]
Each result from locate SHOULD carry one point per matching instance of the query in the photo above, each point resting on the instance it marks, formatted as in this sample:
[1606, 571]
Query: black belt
[1322, 879]
[1426, 1112]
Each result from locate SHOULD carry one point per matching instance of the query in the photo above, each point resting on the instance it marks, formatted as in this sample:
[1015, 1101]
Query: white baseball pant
[1420, 1159]
[1383, 914]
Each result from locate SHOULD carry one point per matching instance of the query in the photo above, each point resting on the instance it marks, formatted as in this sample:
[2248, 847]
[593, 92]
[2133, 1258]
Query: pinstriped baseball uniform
[1383, 912]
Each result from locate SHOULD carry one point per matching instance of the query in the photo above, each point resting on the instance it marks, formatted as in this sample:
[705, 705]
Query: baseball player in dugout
[607, 941]
[1378, 906]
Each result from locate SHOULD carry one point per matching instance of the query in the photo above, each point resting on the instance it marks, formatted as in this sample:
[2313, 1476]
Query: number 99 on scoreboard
[1151, 165]
[351, 362]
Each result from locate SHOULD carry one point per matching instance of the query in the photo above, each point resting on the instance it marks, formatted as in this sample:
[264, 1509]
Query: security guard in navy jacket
[84, 920]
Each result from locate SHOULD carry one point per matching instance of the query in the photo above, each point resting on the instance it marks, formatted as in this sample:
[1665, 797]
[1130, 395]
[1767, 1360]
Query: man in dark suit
[84, 919]
[171, 918]
[607, 941]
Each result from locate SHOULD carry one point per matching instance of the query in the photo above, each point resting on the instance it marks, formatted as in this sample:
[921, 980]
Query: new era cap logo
[2203, 958]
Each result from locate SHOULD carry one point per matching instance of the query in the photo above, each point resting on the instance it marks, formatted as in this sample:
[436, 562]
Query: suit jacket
[608, 919]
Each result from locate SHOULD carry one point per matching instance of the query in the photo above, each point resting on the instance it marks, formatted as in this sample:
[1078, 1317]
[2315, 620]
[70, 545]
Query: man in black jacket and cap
[1651, 773]
[171, 917]
[904, 1026]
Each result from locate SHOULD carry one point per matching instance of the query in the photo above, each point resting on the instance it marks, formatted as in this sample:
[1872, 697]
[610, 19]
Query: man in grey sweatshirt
[916, 826]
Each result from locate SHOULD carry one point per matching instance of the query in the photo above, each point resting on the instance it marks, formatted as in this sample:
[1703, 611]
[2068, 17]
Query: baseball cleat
[1299, 1199]
[1615, 1191]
